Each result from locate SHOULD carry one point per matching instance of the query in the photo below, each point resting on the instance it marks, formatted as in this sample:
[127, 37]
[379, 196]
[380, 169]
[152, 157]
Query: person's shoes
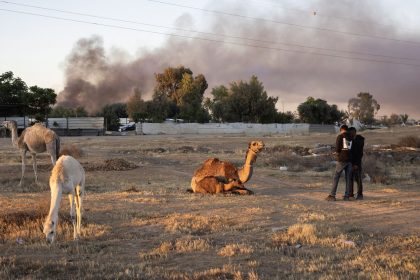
[346, 198]
[359, 197]
[330, 198]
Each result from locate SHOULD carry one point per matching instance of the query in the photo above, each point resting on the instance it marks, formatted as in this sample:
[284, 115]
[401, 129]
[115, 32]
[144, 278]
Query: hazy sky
[42, 50]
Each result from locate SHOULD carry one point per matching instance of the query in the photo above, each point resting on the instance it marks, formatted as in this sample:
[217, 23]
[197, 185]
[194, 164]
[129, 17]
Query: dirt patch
[295, 150]
[115, 164]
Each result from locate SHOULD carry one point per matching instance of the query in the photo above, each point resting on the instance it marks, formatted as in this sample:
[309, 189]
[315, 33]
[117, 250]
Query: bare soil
[140, 223]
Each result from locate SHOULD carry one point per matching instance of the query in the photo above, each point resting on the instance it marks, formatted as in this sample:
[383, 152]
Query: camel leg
[35, 167]
[23, 156]
[72, 213]
[199, 189]
[79, 198]
[242, 191]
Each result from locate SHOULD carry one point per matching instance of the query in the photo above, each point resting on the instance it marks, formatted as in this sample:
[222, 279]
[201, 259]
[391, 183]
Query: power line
[214, 34]
[213, 40]
[318, 13]
[286, 23]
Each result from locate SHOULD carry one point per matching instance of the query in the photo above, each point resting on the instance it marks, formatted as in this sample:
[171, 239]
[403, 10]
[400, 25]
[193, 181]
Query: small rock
[297, 246]
[20, 241]
[349, 243]
[283, 168]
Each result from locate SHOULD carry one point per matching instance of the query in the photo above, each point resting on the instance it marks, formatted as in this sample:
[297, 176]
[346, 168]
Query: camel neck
[15, 138]
[56, 193]
[245, 173]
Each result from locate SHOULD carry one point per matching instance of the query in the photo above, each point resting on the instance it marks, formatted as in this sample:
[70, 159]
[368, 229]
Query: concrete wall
[77, 126]
[76, 123]
[221, 128]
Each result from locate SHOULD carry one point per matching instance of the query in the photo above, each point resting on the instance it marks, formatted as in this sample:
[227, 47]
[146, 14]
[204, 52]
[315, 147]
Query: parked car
[127, 127]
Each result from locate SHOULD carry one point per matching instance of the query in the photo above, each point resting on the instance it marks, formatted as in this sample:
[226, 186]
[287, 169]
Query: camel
[221, 176]
[67, 177]
[215, 184]
[35, 139]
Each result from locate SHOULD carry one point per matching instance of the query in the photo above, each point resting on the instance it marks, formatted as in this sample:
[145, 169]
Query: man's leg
[359, 182]
[351, 187]
[338, 170]
[348, 174]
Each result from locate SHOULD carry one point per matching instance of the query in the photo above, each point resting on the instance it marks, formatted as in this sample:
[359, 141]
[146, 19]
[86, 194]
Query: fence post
[67, 126]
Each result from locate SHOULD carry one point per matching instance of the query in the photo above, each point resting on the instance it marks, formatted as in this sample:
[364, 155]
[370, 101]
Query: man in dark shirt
[356, 154]
[342, 149]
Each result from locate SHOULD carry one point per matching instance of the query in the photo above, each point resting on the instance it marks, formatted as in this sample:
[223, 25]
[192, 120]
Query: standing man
[356, 154]
[342, 150]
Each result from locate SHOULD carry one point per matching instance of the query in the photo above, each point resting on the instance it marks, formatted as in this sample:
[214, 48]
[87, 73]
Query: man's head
[343, 128]
[352, 132]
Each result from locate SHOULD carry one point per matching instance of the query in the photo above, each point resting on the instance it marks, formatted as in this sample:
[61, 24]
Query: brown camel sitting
[216, 175]
[215, 184]
[35, 139]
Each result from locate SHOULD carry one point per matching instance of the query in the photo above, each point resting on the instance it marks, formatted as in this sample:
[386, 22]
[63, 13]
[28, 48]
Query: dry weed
[194, 224]
[235, 249]
[409, 141]
[161, 251]
[189, 244]
[311, 217]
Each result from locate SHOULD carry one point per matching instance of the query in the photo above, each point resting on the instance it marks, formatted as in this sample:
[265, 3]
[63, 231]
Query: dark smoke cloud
[95, 78]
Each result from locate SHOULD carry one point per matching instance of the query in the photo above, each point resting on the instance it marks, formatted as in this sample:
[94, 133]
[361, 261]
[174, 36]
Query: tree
[243, 102]
[191, 104]
[12, 95]
[136, 107]
[363, 107]
[394, 119]
[404, 118]
[169, 83]
[181, 94]
[287, 117]
[319, 111]
[16, 99]
[39, 101]
[112, 114]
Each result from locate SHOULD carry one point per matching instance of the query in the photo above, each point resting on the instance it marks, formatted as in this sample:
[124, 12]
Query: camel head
[10, 125]
[49, 231]
[256, 146]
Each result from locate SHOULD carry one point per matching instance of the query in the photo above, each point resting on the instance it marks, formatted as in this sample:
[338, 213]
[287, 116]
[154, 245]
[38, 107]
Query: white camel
[35, 139]
[67, 177]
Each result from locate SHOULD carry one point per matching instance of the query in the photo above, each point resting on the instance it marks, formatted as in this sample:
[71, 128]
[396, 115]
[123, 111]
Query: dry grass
[140, 224]
[235, 249]
[409, 141]
[194, 224]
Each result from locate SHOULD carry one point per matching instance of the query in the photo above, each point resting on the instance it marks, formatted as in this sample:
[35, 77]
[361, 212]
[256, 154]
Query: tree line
[179, 94]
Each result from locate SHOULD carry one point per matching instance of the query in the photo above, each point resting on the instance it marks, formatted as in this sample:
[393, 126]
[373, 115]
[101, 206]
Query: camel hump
[211, 161]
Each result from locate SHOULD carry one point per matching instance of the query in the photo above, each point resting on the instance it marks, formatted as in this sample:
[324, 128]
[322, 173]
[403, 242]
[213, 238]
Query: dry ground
[140, 223]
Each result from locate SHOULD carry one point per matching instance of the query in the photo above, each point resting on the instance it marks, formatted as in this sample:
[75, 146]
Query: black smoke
[95, 78]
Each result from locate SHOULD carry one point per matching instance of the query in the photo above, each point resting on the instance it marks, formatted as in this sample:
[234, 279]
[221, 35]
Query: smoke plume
[95, 78]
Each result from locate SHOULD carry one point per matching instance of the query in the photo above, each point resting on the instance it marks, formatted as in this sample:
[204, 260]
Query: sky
[326, 49]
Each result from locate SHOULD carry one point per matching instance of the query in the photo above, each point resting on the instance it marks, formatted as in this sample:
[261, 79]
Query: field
[140, 223]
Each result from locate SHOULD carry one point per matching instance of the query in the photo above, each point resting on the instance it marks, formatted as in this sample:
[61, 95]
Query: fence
[67, 126]
[231, 128]
[76, 126]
